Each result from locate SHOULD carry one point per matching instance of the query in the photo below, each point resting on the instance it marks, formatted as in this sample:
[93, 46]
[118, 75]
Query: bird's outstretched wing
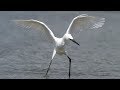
[85, 22]
[37, 25]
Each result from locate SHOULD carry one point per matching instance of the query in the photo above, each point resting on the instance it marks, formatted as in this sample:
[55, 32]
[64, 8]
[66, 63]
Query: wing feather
[85, 22]
[37, 25]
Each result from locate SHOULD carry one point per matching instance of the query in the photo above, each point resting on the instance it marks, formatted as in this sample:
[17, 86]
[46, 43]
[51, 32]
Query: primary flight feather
[36, 25]
[85, 22]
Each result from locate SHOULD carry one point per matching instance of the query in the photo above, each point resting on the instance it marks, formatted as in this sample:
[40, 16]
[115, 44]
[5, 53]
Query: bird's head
[69, 37]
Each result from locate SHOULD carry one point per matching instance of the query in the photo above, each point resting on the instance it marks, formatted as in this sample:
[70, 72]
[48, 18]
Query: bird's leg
[48, 67]
[69, 65]
[54, 52]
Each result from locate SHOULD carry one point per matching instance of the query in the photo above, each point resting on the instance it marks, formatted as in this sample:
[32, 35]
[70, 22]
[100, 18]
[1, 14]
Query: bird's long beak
[75, 41]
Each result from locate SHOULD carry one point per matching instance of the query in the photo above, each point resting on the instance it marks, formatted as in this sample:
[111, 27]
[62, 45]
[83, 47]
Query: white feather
[84, 22]
[81, 22]
[37, 25]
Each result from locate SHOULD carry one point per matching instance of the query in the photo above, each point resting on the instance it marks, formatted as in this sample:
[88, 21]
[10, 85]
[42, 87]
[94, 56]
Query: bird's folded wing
[45, 31]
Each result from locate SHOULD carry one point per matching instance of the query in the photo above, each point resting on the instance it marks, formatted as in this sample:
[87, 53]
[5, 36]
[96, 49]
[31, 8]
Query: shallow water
[23, 55]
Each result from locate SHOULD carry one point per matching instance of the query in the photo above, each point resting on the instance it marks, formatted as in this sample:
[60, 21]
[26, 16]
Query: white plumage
[81, 22]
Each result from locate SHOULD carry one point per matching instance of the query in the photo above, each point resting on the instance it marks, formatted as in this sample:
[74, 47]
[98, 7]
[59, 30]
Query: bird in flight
[81, 22]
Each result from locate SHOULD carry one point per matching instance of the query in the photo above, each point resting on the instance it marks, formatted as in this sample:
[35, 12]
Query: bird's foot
[46, 76]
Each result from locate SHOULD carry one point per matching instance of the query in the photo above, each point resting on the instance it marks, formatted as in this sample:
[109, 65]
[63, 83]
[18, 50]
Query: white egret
[80, 22]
